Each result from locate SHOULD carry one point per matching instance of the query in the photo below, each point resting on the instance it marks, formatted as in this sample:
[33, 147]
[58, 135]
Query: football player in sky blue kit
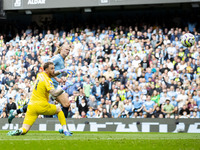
[59, 63]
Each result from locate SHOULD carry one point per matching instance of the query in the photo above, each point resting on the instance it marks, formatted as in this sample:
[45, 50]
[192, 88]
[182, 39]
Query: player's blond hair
[58, 50]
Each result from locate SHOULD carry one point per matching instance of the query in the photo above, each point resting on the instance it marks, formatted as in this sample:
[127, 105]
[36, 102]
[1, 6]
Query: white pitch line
[99, 136]
[69, 138]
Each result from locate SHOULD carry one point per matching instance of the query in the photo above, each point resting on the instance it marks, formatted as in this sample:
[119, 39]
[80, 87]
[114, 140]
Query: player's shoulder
[55, 57]
[42, 76]
[46, 79]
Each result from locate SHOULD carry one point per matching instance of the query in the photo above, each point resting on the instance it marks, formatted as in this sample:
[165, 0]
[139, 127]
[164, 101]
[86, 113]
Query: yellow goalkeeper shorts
[34, 110]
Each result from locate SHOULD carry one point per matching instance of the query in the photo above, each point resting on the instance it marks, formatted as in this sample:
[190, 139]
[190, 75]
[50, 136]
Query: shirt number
[36, 85]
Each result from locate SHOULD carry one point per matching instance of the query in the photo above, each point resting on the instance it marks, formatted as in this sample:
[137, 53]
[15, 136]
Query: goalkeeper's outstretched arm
[56, 92]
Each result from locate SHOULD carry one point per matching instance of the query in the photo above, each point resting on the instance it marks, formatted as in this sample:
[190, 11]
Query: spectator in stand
[87, 88]
[197, 99]
[128, 108]
[80, 96]
[114, 95]
[138, 107]
[82, 107]
[73, 109]
[136, 93]
[158, 113]
[105, 114]
[184, 112]
[156, 97]
[120, 104]
[190, 102]
[122, 92]
[107, 106]
[116, 112]
[195, 113]
[110, 83]
[104, 86]
[76, 115]
[98, 91]
[90, 113]
[171, 92]
[168, 109]
[3, 102]
[92, 102]
[149, 108]
[163, 98]
[21, 102]
[181, 99]
[10, 105]
[109, 73]
[144, 60]
[148, 74]
[145, 63]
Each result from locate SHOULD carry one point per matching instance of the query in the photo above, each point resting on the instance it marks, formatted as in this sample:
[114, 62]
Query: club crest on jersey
[51, 83]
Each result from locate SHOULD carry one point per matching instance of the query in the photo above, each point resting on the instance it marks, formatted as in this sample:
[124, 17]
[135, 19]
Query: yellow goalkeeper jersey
[42, 86]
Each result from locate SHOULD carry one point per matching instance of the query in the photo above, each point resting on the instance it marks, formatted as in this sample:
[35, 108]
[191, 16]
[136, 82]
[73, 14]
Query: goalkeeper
[59, 64]
[39, 105]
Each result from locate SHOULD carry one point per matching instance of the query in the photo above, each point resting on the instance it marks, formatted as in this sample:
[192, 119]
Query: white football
[187, 40]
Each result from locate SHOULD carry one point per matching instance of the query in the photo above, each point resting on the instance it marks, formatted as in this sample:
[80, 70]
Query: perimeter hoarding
[116, 125]
[47, 4]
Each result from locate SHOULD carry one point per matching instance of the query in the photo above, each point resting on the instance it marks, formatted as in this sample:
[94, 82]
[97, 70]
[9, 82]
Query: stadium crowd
[121, 72]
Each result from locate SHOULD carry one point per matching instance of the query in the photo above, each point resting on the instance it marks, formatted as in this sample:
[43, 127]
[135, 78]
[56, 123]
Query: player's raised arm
[68, 71]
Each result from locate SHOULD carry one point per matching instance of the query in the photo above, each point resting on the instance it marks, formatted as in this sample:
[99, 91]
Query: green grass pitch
[48, 140]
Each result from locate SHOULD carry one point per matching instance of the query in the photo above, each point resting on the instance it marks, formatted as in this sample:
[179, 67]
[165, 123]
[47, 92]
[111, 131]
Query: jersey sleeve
[49, 84]
[55, 59]
[144, 104]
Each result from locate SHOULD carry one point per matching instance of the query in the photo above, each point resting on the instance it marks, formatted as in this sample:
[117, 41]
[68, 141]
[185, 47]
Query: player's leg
[52, 110]
[23, 130]
[29, 119]
[64, 100]
[14, 113]
[61, 118]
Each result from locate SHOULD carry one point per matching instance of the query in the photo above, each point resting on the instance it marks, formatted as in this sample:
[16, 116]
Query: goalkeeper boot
[15, 132]
[11, 116]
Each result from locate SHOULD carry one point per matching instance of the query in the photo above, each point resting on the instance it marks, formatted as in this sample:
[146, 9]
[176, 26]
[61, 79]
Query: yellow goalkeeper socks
[61, 118]
[23, 130]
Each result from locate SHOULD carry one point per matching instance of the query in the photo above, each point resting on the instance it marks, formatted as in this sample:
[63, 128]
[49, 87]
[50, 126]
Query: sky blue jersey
[149, 104]
[59, 64]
